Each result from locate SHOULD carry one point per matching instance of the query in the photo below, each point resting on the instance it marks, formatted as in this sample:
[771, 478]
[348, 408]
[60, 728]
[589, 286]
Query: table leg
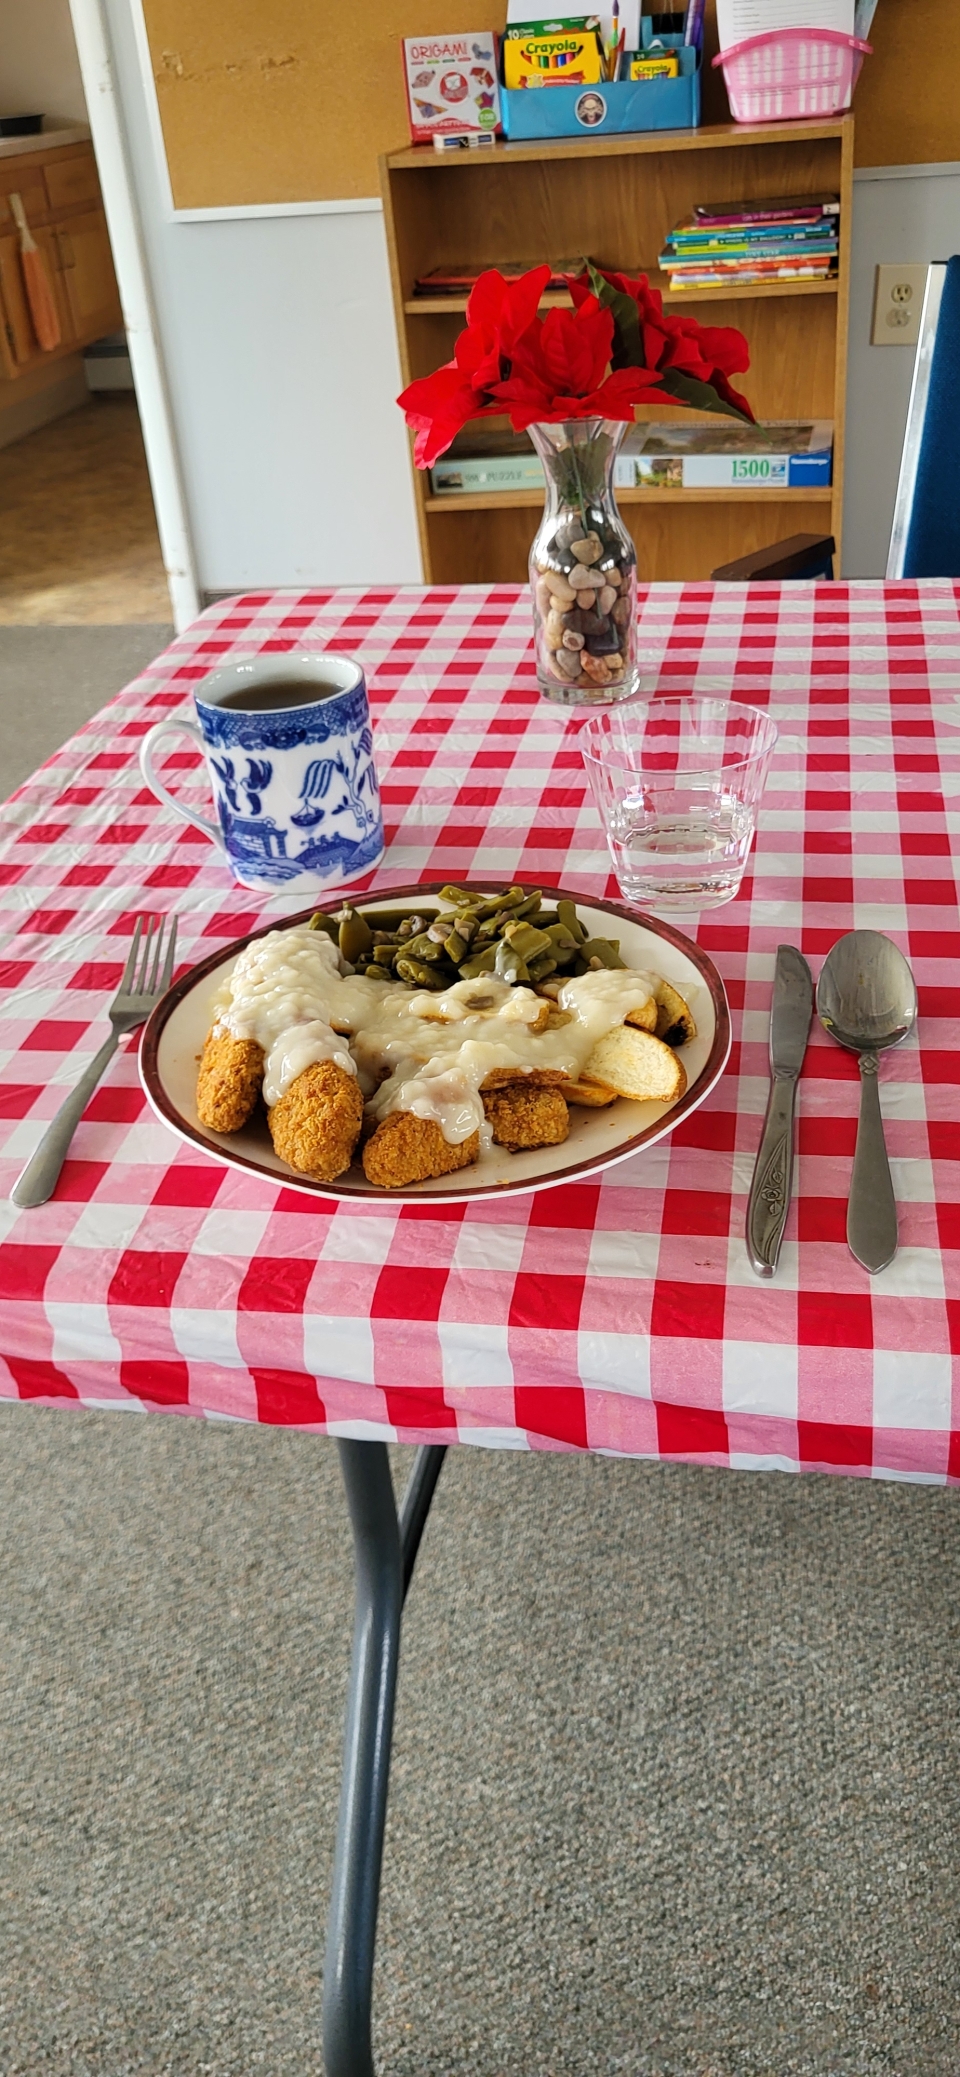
[385, 1549]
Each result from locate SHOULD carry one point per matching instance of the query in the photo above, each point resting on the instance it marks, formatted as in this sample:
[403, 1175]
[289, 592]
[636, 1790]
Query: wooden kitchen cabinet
[60, 192]
[86, 268]
[48, 239]
[17, 342]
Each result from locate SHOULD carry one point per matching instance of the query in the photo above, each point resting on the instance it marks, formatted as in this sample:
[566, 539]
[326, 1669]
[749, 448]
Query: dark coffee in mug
[279, 692]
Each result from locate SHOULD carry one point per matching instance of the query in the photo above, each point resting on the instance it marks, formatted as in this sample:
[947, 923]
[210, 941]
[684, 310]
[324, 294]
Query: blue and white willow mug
[289, 750]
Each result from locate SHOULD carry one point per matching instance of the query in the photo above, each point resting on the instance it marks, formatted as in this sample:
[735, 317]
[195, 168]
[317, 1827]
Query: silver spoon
[866, 999]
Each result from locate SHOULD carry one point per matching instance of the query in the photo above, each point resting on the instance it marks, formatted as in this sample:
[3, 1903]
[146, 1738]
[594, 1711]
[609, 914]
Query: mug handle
[150, 744]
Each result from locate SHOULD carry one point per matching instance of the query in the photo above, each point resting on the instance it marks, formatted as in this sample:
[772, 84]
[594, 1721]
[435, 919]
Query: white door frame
[146, 357]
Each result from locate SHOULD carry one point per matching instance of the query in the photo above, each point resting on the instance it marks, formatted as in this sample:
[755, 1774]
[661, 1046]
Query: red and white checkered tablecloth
[619, 1314]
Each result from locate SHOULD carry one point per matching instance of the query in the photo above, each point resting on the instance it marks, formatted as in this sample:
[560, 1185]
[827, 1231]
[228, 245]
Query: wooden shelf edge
[445, 306]
[506, 500]
[709, 137]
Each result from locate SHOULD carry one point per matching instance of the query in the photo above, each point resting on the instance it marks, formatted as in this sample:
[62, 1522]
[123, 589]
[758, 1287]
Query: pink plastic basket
[791, 72]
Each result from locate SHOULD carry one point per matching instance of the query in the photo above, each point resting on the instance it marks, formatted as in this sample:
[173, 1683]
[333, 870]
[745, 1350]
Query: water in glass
[680, 855]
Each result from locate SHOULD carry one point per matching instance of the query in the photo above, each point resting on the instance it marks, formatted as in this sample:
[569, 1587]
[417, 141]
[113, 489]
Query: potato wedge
[644, 1019]
[675, 1025]
[591, 1096]
[638, 1065]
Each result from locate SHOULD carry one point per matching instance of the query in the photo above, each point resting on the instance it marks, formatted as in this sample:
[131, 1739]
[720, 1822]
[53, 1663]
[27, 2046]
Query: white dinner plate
[174, 1037]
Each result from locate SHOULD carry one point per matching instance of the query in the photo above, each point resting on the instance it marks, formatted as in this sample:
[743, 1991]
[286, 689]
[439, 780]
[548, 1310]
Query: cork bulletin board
[265, 105]
[284, 101]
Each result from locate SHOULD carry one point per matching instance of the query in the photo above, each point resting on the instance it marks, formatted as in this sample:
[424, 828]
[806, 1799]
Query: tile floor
[78, 535]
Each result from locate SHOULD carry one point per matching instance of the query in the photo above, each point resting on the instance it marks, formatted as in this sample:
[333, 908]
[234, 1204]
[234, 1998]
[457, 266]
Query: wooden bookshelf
[616, 198]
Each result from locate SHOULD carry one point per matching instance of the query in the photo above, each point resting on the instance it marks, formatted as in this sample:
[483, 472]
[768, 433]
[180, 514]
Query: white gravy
[411, 1051]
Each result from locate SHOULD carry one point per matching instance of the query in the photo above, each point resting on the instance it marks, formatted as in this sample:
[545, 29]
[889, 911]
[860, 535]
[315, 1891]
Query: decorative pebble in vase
[583, 569]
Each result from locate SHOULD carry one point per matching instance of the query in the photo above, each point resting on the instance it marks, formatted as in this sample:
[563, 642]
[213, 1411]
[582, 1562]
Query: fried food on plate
[407, 1149]
[534, 1078]
[675, 1025]
[315, 1125]
[591, 1096]
[644, 1019]
[228, 1081]
[525, 1116]
[637, 1065]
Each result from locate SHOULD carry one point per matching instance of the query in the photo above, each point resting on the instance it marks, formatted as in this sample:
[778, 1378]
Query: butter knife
[769, 1199]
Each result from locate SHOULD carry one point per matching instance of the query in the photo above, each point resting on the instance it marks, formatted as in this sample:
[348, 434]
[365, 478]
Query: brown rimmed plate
[174, 1036]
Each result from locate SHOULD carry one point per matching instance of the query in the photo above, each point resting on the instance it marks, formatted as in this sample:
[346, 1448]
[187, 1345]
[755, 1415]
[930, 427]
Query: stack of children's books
[790, 238]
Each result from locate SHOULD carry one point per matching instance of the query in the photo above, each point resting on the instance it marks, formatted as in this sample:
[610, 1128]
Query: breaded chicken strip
[407, 1149]
[316, 1123]
[526, 1117]
[228, 1081]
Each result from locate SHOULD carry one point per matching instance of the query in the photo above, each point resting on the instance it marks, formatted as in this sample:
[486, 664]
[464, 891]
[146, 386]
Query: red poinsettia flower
[710, 353]
[706, 353]
[617, 348]
[560, 370]
[499, 312]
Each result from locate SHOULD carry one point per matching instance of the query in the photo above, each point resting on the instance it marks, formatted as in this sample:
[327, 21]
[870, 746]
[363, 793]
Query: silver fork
[146, 977]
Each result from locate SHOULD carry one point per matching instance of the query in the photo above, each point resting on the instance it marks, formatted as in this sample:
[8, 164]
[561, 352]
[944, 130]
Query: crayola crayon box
[451, 84]
[565, 53]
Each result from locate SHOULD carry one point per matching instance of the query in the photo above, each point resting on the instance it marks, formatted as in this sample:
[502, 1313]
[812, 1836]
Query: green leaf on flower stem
[628, 352]
[700, 395]
[627, 342]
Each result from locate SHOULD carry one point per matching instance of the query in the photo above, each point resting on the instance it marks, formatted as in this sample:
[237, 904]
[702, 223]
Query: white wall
[282, 367]
[906, 213]
[39, 73]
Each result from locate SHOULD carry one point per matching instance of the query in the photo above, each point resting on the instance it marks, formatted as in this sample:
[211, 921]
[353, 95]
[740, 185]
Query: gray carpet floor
[53, 678]
[677, 1774]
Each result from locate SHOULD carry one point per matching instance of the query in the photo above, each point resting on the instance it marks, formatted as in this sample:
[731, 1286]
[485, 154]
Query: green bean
[419, 975]
[509, 933]
[605, 950]
[482, 963]
[526, 940]
[388, 920]
[567, 915]
[423, 947]
[509, 965]
[356, 937]
[461, 897]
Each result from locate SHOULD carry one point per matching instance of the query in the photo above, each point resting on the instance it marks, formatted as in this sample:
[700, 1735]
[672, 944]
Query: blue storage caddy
[613, 108]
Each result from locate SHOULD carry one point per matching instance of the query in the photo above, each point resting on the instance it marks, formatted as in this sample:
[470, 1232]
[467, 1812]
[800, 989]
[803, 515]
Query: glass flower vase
[583, 569]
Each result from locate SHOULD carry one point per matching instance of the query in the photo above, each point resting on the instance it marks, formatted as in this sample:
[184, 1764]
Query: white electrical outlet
[897, 304]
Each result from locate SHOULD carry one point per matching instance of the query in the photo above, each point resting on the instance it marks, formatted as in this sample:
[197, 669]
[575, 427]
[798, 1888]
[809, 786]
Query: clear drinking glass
[678, 785]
